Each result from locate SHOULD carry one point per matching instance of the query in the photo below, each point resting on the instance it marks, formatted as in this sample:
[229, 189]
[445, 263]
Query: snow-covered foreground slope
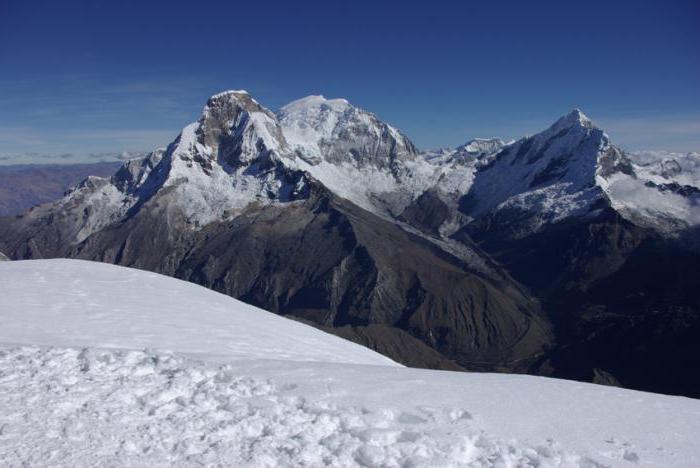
[102, 365]
[76, 303]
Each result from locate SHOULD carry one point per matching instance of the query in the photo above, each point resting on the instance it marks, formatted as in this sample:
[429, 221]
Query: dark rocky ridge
[624, 302]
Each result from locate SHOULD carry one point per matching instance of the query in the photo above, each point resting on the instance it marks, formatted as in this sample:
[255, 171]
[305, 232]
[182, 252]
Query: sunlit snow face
[653, 202]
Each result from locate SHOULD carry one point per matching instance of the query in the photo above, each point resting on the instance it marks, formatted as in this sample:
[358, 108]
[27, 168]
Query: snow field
[86, 407]
[109, 366]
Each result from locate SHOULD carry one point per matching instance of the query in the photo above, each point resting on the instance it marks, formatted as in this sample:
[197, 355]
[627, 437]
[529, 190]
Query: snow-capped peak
[480, 144]
[234, 155]
[550, 175]
[315, 101]
[569, 169]
[355, 154]
[478, 147]
[237, 118]
[575, 118]
[334, 130]
[228, 92]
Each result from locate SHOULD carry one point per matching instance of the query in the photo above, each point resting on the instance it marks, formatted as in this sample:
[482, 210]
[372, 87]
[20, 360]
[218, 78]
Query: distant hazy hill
[23, 186]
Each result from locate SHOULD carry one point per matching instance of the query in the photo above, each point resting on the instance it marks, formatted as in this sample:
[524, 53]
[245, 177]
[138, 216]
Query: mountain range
[557, 254]
[23, 186]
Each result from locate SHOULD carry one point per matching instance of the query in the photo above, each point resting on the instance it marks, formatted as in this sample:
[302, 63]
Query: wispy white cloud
[12, 136]
[71, 100]
[77, 114]
[677, 133]
[667, 125]
[128, 138]
[20, 145]
[661, 132]
[67, 158]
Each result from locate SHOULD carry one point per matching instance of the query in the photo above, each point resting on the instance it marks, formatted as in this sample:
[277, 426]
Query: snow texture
[666, 191]
[97, 304]
[356, 155]
[109, 366]
[127, 408]
[550, 174]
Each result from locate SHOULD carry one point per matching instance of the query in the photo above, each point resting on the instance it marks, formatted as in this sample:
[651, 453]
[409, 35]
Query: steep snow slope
[223, 383]
[570, 170]
[467, 154]
[456, 169]
[355, 154]
[333, 130]
[551, 175]
[482, 146]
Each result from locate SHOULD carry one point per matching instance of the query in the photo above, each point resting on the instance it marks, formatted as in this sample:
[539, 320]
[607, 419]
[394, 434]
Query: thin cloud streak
[67, 158]
[671, 133]
[74, 100]
[674, 133]
[129, 136]
[31, 142]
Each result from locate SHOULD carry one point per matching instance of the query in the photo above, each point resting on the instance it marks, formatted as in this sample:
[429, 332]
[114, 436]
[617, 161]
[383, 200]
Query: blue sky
[81, 77]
